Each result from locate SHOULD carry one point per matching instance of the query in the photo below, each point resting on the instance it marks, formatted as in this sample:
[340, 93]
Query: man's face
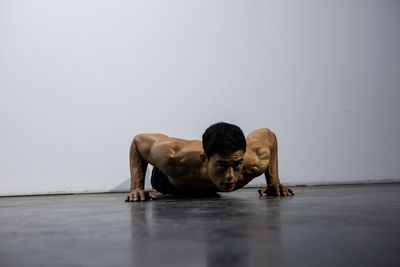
[224, 170]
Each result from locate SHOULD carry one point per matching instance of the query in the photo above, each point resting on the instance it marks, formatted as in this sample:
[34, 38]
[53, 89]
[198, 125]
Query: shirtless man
[223, 161]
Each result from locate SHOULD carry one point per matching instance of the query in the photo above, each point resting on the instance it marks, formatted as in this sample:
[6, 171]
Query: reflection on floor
[320, 226]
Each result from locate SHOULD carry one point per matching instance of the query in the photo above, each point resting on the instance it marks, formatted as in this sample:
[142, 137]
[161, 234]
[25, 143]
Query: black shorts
[160, 182]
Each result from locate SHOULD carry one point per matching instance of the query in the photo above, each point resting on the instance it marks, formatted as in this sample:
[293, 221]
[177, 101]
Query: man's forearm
[272, 173]
[138, 167]
[272, 179]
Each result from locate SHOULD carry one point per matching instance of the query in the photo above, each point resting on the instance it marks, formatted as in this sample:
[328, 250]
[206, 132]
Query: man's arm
[274, 186]
[272, 173]
[139, 157]
[138, 166]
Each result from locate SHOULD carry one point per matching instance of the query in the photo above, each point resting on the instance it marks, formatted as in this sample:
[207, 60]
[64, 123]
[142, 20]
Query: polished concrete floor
[320, 226]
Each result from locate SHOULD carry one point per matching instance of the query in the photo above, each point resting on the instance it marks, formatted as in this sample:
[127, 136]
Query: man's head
[224, 146]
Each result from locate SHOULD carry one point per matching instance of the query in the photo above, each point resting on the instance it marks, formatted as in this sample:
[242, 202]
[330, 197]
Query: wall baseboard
[359, 182]
[364, 182]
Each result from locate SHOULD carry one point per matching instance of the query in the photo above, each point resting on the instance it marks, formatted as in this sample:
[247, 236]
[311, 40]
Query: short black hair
[223, 138]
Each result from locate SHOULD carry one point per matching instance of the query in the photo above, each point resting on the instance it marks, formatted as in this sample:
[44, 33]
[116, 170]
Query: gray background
[78, 80]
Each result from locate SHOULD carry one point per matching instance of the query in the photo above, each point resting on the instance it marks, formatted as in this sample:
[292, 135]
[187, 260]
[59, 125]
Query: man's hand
[276, 190]
[139, 195]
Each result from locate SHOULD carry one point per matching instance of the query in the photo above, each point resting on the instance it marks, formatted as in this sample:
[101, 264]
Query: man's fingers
[269, 190]
[262, 191]
[152, 196]
[285, 191]
[277, 190]
[142, 196]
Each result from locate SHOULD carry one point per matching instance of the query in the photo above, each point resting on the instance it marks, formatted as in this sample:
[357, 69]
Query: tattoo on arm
[138, 167]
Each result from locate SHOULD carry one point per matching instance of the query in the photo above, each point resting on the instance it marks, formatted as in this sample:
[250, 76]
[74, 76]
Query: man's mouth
[229, 185]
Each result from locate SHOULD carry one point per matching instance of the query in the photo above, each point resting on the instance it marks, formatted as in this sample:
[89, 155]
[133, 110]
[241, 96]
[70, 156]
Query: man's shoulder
[172, 151]
[175, 145]
[261, 133]
[261, 137]
[160, 140]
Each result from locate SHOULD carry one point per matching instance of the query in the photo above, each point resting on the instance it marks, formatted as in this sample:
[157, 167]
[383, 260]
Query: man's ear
[203, 158]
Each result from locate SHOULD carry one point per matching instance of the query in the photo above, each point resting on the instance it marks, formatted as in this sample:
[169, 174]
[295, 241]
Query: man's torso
[180, 160]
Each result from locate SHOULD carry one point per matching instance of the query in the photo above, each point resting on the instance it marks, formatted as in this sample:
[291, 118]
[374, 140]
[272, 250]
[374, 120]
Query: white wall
[78, 79]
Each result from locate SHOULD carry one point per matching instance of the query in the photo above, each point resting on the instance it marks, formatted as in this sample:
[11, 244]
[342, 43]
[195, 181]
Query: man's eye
[220, 166]
[237, 165]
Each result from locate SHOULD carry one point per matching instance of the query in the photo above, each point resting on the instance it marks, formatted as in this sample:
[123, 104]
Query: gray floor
[320, 226]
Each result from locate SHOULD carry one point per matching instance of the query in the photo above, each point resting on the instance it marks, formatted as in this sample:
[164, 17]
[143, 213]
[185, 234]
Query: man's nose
[229, 175]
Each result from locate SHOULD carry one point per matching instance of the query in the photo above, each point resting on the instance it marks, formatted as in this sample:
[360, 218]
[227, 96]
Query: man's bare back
[188, 168]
